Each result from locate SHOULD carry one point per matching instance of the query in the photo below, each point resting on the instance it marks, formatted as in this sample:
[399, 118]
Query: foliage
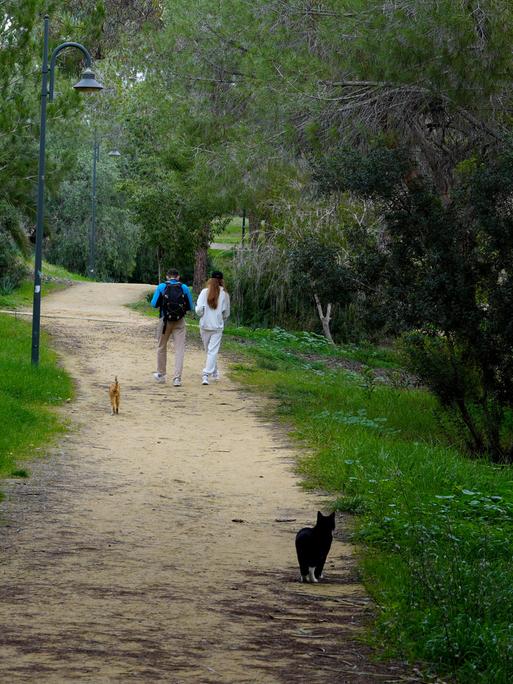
[13, 244]
[317, 267]
[328, 246]
[449, 265]
[21, 28]
[69, 222]
[112, 22]
[259, 297]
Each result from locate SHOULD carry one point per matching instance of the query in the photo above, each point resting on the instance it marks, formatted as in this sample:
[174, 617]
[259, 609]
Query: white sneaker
[177, 382]
[205, 380]
[159, 377]
[215, 375]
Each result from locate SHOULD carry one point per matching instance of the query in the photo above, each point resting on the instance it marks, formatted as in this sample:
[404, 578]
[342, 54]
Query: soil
[158, 545]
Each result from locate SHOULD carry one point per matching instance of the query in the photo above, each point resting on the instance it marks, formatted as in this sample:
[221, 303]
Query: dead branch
[325, 319]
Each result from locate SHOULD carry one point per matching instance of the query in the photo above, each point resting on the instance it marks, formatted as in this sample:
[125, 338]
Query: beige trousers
[176, 330]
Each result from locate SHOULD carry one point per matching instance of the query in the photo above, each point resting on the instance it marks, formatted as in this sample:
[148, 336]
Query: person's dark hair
[172, 273]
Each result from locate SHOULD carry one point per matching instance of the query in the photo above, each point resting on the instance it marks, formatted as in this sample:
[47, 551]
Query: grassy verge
[143, 305]
[28, 395]
[435, 528]
[232, 234]
[55, 278]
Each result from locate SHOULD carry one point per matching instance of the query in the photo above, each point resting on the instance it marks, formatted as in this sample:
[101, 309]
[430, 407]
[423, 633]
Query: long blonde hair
[214, 290]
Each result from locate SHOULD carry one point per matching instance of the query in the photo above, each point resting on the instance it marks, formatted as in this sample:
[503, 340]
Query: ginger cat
[114, 395]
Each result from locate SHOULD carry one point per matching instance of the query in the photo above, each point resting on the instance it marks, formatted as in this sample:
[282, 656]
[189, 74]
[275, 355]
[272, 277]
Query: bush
[13, 245]
[451, 370]
[263, 291]
[443, 267]
[316, 249]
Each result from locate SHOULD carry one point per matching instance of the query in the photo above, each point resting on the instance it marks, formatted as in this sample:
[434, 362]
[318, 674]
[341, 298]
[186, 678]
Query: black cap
[217, 274]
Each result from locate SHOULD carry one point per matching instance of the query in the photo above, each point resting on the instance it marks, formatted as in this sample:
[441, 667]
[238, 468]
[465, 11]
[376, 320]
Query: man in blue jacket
[174, 299]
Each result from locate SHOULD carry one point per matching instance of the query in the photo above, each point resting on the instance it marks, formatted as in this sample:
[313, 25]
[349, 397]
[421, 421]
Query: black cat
[313, 545]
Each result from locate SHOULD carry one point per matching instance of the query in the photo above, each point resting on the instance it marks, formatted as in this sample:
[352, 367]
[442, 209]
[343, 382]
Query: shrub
[13, 244]
[445, 270]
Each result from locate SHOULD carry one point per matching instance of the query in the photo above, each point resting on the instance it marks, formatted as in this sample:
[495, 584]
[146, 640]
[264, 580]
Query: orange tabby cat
[114, 395]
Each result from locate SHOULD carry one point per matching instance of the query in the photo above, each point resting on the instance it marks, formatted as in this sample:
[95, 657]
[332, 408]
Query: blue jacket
[156, 299]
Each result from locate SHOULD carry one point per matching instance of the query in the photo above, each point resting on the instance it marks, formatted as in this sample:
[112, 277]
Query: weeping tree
[262, 287]
[433, 77]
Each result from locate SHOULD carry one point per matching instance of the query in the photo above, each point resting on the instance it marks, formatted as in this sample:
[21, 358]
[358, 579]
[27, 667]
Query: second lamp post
[92, 233]
[91, 267]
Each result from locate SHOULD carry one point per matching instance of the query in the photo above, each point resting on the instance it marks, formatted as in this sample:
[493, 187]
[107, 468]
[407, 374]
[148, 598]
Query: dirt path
[120, 558]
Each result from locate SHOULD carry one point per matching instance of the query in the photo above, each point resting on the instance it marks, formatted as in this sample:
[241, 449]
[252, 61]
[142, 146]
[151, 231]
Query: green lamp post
[87, 83]
[92, 233]
[91, 267]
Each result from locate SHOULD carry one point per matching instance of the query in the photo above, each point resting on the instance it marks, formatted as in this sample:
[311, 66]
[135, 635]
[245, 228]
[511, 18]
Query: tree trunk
[200, 263]
[159, 265]
[478, 443]
[325, 319]
[253, 227]
[268, 231]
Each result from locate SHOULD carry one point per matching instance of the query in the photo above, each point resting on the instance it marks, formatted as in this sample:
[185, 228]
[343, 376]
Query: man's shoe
[177, 382]
[159, 377]
[205, 380]
[215, 375]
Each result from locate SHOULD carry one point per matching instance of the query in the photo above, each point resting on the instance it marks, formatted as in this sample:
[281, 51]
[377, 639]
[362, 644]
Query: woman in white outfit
[213, 306]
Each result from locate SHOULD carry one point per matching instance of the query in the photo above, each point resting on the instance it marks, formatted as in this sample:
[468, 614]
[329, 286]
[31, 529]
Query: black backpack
[174, 304]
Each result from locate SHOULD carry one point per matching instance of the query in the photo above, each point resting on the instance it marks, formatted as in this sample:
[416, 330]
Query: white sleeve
[200, 304]
[226, 309]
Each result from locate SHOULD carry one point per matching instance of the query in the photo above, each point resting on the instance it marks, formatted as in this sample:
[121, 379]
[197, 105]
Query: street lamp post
[92, 233]
[243, 224]
[88, 83]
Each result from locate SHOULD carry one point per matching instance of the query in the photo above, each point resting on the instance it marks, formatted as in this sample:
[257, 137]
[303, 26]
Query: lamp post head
[114, 153]
[88, 83]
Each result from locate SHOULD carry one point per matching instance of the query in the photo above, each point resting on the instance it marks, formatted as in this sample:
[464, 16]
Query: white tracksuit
[212, 326]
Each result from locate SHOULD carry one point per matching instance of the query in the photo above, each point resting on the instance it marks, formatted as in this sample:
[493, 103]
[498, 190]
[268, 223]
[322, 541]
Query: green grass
[28, 396]
[143, 306]
[435, 528]
[220, 255]
[277, 342]
[232, 234]
[60, 272]
[222, 260]
[18, 298]
[22, 296]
